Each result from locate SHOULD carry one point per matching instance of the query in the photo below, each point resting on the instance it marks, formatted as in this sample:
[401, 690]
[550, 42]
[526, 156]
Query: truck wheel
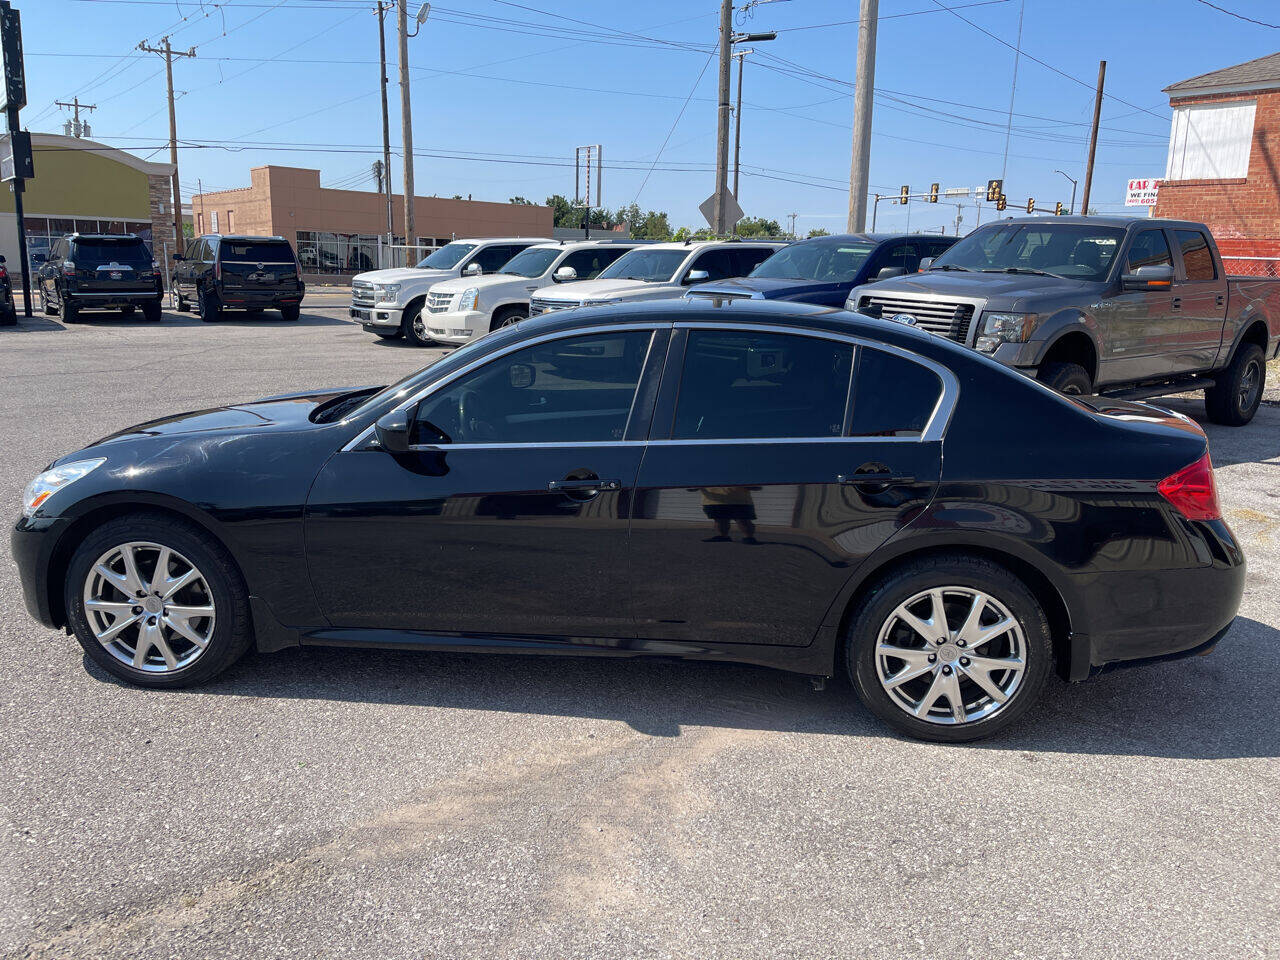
[1234, 398]
[290, 311]
[415, 327]
[210, 309]
[151, 311]
[183, 306]
[1070, 379]
[67, 311]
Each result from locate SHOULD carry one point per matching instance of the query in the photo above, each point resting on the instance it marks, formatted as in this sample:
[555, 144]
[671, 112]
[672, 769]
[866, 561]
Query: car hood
[580, 290]
[487, 282]
[287, 412]
[758, 288]
[401, 274]
[986, 285]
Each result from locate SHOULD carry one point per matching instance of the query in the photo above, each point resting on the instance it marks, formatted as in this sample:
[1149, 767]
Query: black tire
[291, 312]
[182, 306]
[8, 317]
[1070, 379]
[126, 310]
[152, 312]
[507, 316]
[67, 310]
[412, 321]
[210, 308]
[233, 629]
[901, 584]
[1234, 398]
[46, 305]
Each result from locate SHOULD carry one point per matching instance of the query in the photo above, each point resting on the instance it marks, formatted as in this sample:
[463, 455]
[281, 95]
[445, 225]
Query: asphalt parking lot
[329, 803]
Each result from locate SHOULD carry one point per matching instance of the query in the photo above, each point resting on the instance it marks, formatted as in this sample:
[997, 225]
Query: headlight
[386, 292]
[51, 481]
[998, 328]
[468, 300]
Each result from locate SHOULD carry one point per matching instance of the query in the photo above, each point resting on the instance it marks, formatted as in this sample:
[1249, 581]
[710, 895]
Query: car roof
[1095, 221]
[103, 236]
[236, 236]
[529, 240]
[580, 244]
[877, 237]
[699, 244]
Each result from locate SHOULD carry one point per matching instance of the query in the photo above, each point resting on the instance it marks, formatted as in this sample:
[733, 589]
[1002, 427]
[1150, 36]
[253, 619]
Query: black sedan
[791, 486]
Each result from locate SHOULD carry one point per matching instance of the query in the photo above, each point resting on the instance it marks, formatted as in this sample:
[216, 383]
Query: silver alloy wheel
[951, 655]
[1250, 384]
[420, 327]
[149, 606]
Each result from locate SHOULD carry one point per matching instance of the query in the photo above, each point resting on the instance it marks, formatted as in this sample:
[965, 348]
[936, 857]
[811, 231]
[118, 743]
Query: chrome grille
[947, 318]
[362, 294]
[438, 302]
[540, 305]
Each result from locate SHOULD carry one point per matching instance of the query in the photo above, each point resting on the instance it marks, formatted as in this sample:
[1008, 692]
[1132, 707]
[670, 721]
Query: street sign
[16, 162]
[709, 209]
[956, 192]
[13, 90]
[1141, 193]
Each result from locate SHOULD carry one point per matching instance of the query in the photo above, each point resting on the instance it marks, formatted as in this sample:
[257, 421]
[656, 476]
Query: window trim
[1174, 261]
[1183, 276]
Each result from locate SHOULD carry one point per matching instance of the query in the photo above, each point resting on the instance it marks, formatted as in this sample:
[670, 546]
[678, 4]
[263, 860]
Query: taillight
[1193, 491]
[68, 268]
[217, 269]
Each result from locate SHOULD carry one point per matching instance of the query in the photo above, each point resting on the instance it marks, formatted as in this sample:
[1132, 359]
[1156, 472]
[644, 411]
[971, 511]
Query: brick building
[337, 231]
[1224, 161]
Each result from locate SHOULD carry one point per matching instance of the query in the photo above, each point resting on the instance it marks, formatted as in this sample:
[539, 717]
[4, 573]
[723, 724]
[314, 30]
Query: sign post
[16, 164]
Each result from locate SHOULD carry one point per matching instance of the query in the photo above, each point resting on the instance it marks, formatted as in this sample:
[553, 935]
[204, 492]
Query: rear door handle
[1220, 300]
[563, 486]
[879, 477]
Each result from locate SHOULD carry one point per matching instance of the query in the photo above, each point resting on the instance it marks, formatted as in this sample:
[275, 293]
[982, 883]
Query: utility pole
[169, 53]
[792, 218]
[722, 117]
[864, 87]
[377, 174]
[76, 106]
[406, 117]
[740, 56]
[386, 123]
[1093, 137]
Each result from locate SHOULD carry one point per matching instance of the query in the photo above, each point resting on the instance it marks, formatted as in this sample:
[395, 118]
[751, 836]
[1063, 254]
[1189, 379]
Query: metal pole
[173, 150]
[875, 210]
[737, 124]
[864, 88]
[722, 117]
[386, 122]
[406, 123]
[18, 187]
[1093, 137]
[1073, 197]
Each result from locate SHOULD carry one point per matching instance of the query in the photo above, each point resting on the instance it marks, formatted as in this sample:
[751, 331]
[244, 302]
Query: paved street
[330, 803]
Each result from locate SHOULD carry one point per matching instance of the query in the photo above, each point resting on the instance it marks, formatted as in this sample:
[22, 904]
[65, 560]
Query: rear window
[124, 250]
[255, 251]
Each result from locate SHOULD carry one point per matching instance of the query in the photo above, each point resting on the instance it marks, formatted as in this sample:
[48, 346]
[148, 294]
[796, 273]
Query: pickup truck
[1124, 307]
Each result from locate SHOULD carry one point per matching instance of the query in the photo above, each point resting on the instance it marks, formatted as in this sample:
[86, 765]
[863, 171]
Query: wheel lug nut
[136, 611]
[947, 671]
[964, 661]
[961, 643]
[152, 621]
[932, 658]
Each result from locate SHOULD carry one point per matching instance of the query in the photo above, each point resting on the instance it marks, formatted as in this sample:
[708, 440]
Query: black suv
[8, 312]
[239, 273]
[98, 271]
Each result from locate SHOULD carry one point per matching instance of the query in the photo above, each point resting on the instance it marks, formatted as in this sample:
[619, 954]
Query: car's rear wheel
[157, 602]
[291, 311]
[67, 310]
[1070, 379]
[183, 306]
[949, 649]
[414, 326]
[210, 308]
[151, 311]
[47, 305]
[1234, 398]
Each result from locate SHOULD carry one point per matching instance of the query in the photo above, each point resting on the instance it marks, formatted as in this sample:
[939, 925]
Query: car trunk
[258, 270]
[114, 266]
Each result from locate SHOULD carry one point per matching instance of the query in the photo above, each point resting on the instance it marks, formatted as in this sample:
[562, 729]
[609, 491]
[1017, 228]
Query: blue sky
[503, 92]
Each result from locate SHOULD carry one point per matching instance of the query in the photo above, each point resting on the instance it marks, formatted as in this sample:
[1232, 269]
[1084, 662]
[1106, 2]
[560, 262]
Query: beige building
[337, 231]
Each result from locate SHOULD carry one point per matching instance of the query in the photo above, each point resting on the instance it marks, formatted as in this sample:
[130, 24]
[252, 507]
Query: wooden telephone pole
[169, 53]
[1093, 137]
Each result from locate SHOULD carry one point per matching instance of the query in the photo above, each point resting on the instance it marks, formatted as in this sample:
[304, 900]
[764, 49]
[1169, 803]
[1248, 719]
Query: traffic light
[905, 194]
[995, 190]
[933, 193]
[1000, 202]
[1057, 211]
[1031, 204]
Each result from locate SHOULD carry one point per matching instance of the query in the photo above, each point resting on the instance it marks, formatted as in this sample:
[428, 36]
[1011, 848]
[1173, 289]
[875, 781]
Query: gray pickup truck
[1124, 307]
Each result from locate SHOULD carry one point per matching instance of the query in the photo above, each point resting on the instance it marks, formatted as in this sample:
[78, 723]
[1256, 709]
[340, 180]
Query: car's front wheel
[1070, 379]
[949, 649]
[415, 326]
[157, 602]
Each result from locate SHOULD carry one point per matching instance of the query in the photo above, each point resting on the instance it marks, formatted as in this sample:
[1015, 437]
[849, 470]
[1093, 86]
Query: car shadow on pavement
[33, 324]
[1196, 708]
[1257, 442]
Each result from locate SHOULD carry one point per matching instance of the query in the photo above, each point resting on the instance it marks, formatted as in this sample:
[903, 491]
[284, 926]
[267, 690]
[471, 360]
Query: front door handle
[1220, 300]
[879, 477]
[571, 486]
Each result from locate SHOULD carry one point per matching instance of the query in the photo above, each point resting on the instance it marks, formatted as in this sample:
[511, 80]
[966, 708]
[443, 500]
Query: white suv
[658, 271]
[469, 307]
[390, 302]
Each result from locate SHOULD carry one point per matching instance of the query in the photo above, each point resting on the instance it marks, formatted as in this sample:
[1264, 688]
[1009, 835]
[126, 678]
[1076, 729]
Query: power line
[887, 16]
[684, 106]
[1239, 16]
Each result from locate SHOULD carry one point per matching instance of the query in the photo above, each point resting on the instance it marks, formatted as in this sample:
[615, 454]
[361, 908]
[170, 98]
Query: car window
[1197, 260]
[531, 263]
[256, 251]
[447, 256]
[719, 264]
[588, 263]
[124, 250]
[825, 260]
[904, 256]
[747, 259]
[1149, 249]
[1065, 249]
[491, 258]
[939, 247]
[654, 266]
[573, 390]
[892, 396]
[744, 385]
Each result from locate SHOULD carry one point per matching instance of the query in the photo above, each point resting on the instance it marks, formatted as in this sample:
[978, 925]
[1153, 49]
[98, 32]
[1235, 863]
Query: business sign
[1141, 193]
[15, 157]
[13, 78]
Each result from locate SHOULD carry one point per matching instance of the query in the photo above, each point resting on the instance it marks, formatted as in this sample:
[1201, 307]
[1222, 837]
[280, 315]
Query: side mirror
[392, 431]
[697, 276]
[35, 258]
[472, 269]
[888, 272]
[925, 263]
[1154, 277]
[565, 275]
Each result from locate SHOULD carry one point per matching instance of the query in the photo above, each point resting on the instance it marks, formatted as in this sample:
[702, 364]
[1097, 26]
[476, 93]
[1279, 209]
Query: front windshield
[447, 257]
[532, 262]
[829, 261]
[655, 266]
[1076, 250]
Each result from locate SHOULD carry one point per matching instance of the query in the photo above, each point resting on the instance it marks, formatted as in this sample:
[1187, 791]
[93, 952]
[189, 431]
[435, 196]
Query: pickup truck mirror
[697, 276]
[472, 269]
[565, 275]
[888, 272]
[925, 263]
[1154, 277]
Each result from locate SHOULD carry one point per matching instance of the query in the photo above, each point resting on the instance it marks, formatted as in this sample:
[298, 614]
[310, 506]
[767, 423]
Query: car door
[750, 514]
[1200, 295]
[515, 521]
[1140, 327]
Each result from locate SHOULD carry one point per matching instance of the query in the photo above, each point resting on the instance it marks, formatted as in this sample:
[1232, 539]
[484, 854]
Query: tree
[758, 227]
[520, 201]
[819, 232]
